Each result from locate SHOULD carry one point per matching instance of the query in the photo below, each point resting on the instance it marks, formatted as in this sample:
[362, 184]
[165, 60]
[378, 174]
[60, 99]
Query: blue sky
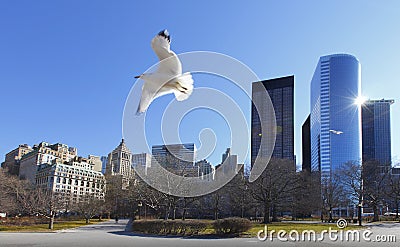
[66, 67]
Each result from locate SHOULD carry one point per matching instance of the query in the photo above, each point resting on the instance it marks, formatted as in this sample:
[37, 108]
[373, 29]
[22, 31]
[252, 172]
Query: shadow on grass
[142, 235]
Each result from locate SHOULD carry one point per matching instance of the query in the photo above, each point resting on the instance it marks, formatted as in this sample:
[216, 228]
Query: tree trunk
[174, 214]
[87, 220]
[376, 216]
[51, 222]
[166, 213]
[359, 215]
[274, 215]
[184, 214]
[266, 213]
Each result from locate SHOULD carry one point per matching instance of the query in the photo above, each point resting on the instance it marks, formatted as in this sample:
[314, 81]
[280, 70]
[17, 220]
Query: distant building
[104, 161]
[306, 145]
[205, 168]
[44, 153]
[72, 180]
[13, 158]
[96, 162]
[229, 162]
[335, 117]
[143, 159]
[281, 92]
[119, 164]
[177, 158]
[376, 133]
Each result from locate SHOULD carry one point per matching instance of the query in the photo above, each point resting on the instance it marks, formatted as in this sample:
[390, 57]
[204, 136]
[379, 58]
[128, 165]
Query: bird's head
[164, 33]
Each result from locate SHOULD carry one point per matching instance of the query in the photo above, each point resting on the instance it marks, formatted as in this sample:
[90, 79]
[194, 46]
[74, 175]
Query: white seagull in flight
[168, 78]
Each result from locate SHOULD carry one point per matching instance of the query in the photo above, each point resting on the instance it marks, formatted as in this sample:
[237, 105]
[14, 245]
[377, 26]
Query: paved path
[112, 234]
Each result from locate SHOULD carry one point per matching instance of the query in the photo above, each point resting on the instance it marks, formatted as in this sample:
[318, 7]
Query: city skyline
[68, 67]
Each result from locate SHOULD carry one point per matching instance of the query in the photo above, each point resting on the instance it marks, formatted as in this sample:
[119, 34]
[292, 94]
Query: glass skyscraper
[281, 92]
[376, 137]
[335, 117]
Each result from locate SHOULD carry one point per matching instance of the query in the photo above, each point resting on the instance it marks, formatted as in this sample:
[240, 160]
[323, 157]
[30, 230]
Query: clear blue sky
[66, 67]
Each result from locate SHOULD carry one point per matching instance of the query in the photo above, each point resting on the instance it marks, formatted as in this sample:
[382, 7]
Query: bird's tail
[185, 86]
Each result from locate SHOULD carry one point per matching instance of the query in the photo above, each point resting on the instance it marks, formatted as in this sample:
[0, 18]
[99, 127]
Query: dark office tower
[376, 137]
[281, 92]
[306, 145]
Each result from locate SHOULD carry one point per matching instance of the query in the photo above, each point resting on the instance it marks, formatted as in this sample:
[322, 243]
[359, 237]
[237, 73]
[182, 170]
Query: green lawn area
[58, 225]
[317, 227]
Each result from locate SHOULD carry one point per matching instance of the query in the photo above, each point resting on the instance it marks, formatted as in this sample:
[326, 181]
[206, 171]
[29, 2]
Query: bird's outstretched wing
[169, 61]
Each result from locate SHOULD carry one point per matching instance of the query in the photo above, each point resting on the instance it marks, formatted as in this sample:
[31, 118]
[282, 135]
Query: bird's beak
[138, 76]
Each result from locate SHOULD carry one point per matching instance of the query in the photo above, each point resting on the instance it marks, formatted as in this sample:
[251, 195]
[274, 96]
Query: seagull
[168, 78]
[336, 132]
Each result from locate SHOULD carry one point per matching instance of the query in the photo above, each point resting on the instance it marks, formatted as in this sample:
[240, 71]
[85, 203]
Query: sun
[360, 100]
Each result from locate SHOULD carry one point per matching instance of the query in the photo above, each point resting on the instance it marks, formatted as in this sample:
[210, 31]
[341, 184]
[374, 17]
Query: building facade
[335, 117]
[177, 158]
[104, 161]
[72, 180]
[44, 153]
[95, 161]
[281, 92]
[376, 132]
[205, 168]
[306, 145]
[13, 158]
[119, 164]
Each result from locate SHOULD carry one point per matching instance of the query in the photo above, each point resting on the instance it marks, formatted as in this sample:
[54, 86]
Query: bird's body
[168, 78]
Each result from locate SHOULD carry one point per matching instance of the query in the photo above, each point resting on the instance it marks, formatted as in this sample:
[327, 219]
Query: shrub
[232, 225]
[169, 227]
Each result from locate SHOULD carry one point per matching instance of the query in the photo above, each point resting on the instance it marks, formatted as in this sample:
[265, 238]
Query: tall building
[376, 134]
[142, 160]
[120, 164]
[104, 161]
[231, 163]
[177, 158]
[306, 145]
[281, 92]
[96, 162]
[72, 180]
[335, 117]
[205, 168]
[44, 153]
[13, 158]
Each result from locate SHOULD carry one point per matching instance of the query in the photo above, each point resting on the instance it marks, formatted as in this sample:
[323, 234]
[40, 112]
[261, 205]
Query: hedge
[169, 227]
[232, 225]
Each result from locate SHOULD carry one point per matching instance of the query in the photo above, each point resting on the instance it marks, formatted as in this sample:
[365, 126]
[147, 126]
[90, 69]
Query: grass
[296, 226]
[58, 225]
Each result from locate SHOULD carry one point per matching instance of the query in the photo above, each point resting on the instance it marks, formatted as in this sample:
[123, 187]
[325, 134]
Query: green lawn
[58, 225]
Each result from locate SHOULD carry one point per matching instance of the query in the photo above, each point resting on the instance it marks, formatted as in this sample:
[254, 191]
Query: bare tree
[274, 186]
[375, 182]
[89, 206]
[351, 177]
[307, 196]
[332, 194]
[9, 187]
[394, 192]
